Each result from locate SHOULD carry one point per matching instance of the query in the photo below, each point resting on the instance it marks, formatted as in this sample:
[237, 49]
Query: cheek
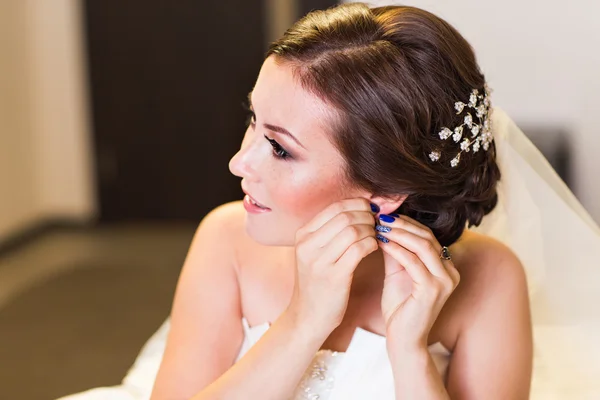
[301, 199]
[295, 199]
[306, 201]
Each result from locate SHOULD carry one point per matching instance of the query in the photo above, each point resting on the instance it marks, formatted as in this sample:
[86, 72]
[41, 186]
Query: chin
[267, 236]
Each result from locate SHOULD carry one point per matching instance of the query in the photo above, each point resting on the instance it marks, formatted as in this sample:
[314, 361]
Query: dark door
[167, 83]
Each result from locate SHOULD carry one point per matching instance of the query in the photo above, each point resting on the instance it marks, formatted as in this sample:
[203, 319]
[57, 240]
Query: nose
[236, 165]
[243, 162]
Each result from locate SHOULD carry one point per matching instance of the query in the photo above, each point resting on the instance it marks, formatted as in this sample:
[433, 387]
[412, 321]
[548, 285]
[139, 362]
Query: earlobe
[388, 205]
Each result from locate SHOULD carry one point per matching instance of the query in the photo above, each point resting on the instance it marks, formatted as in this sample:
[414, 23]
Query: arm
[206, 331]
[492, 358]
[266, 371]
[415, 374]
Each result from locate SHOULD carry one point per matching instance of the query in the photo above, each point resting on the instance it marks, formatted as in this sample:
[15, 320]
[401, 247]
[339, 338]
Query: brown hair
[393, 75]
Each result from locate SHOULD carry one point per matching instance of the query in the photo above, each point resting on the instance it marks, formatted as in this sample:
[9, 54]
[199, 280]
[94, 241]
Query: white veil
[557, 242]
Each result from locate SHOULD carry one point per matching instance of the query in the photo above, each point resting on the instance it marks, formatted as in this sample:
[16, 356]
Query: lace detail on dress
[319, 379]
[363, 371]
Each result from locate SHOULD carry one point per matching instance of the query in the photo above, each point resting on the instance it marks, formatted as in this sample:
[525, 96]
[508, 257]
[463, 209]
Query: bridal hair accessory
[445, 254]
[480, 135]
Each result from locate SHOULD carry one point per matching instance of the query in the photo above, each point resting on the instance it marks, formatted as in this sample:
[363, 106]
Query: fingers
[413, 226]
[340, 242]
[452, 271]
[355, 253]
[423, 228]
[356, 204]
[411, 263]
[331, 233]
[349, 221]
[420, 241]
[334, 228]
[417, 245]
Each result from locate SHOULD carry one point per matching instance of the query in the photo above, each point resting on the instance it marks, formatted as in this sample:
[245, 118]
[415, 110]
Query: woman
[368, 151]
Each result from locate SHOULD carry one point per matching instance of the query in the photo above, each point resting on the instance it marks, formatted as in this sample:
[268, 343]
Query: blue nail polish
[381, 228]
[395, 215]
[386, 218]
[383, 239]
[374, 208]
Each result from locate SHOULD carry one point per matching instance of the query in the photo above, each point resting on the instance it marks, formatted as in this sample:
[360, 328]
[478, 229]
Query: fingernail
[383, 239]
[395, 215]
[374, 208]
[386, 218]
[381, 228]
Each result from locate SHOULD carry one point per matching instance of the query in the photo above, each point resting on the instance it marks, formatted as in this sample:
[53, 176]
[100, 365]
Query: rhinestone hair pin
[480, 133]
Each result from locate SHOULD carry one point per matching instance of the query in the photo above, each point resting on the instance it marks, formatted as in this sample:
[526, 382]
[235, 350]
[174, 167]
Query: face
[295, 179]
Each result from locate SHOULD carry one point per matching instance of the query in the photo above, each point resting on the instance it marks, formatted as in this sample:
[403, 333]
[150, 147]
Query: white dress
[362, 372]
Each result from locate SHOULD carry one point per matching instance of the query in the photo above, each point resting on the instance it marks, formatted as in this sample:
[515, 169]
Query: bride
[359, 264]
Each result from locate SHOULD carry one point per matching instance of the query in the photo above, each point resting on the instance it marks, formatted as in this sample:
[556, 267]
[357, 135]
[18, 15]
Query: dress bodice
[363, 371]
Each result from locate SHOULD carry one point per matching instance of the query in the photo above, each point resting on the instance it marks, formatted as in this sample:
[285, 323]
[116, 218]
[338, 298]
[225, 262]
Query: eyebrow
[276, 128]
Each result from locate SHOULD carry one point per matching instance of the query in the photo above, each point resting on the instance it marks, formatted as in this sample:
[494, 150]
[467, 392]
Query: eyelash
[278, 151]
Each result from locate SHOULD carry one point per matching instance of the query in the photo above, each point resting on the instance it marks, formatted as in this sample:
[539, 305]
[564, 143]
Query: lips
[257, 203]
[254, 200]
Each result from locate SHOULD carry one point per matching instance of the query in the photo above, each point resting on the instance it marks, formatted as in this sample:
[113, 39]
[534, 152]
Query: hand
[328, 249]
[417, 281]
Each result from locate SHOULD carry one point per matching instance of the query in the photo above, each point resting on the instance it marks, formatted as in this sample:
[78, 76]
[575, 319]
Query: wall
[45, 158]
[18, 196]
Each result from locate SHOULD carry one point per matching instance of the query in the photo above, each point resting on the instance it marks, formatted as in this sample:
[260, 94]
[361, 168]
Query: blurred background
[117, 122]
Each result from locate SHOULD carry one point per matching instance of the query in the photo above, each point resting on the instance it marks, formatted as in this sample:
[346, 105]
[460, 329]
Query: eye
[278, 151]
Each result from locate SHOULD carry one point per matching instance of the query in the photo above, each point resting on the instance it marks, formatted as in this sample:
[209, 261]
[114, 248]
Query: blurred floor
[76, 305]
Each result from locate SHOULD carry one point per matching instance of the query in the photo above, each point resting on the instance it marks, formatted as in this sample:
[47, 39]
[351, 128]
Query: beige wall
[18, 197]
[45, 158]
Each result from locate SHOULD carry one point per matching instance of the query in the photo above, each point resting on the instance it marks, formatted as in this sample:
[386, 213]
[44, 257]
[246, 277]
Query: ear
[388, 204]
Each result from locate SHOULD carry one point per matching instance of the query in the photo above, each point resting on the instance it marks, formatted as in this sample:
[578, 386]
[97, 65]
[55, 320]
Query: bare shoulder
[229, 221]
[491, 275]
[491, 321]
[212, 296]
[207, 306]
[227, 217]
[488, 261]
